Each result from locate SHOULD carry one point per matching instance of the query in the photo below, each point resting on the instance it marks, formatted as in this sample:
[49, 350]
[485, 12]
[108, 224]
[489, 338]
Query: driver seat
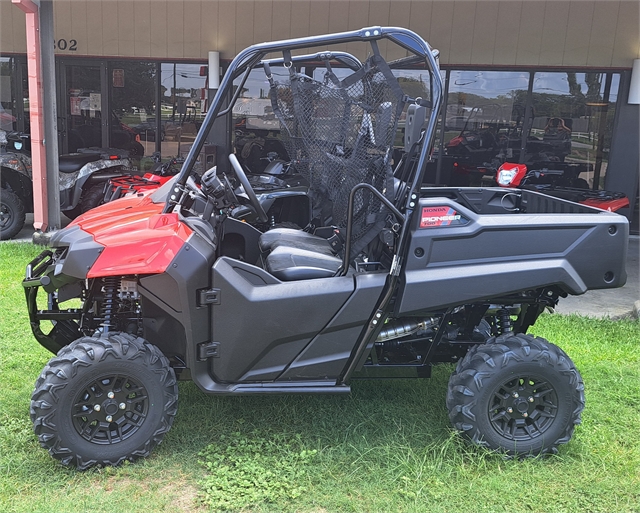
[288, 263]
[290, 254]
[290, 237]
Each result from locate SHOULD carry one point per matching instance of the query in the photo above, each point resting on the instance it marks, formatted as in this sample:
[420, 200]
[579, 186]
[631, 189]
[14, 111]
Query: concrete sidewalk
[613, 303]
[26, 234]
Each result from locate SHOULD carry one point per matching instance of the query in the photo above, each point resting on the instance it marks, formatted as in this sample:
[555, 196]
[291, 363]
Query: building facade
[130, 68]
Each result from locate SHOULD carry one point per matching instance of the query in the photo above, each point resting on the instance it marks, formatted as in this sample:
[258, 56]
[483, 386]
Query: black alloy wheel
[110, 409]
[518, 394]
[104, 400]
[523, 407]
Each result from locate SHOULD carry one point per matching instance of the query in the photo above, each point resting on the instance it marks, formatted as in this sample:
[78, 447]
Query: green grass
[386, 447]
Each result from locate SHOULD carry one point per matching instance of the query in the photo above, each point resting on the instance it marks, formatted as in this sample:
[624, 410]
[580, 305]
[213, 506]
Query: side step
[290, 387]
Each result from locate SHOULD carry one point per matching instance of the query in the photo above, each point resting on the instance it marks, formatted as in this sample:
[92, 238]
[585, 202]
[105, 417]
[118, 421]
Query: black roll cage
[249, 58]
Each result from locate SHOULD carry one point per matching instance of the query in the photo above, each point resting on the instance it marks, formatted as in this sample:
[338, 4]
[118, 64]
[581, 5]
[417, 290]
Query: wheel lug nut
[122, 406]
[510, 410]
[515, 394]
[530, 399]
[96, 407]
[109, 418]
[111, 395]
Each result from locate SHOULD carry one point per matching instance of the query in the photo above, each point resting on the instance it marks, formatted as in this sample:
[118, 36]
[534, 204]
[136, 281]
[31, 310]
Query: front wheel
[136, 150]
[12, 214]
[521, 395]
[102, 401]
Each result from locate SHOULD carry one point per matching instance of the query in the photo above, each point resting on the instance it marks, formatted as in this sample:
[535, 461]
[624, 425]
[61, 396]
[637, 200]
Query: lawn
[386, 447]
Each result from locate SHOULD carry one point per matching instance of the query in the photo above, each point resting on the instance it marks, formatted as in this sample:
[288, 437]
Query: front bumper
[40, 273]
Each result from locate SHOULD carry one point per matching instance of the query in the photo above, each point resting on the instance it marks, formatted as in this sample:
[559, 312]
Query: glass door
[83, 118]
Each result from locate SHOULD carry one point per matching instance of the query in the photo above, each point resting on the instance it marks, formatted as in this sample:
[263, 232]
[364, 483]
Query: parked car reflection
[147, 130]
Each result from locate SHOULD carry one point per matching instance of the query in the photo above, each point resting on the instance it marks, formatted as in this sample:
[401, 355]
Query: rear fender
[72, 184]
[457, 256]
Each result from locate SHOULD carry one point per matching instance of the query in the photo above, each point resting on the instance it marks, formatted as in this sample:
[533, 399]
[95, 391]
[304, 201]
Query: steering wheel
[255, 203]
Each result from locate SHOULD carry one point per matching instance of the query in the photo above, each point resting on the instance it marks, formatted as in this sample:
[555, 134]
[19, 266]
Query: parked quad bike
[423, 276]
[490, 137]
[547, 182]
[489, 132]
[81, 180]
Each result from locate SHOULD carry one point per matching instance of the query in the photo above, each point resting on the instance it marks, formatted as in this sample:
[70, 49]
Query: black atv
[405, 277]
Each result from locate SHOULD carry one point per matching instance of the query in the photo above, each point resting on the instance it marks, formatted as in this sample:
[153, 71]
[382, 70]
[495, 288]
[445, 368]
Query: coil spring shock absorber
[503, 321]
[108, 305]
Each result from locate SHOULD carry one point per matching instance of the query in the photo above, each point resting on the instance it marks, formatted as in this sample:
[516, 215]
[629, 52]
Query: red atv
[545, 181]
[170, 286]
[126, 184]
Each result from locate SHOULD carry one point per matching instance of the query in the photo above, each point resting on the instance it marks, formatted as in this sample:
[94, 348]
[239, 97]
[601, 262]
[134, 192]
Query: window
[483, 124]
[256, 129]
[565, 124]
[572, 122]
[182, 104]
[133, 106]
[8, 107]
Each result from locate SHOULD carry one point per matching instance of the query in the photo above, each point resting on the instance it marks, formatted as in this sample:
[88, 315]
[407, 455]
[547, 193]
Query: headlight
[511, 175]
[506, 176]
[17, 145]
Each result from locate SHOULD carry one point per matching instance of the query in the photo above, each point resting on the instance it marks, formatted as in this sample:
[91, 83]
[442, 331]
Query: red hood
[138, 238]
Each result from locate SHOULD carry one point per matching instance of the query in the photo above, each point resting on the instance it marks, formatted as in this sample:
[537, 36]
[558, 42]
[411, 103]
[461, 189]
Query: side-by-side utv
[392, 279]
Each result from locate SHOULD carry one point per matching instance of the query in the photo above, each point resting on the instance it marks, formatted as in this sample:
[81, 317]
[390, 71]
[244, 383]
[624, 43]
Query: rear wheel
[102, 401]
[12, 214]
[521, 395]
[92, 197]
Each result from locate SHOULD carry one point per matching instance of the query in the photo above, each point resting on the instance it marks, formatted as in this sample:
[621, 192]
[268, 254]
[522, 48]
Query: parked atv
[490, 138]
[550, 181]
[171, 286]
[81, 179]
[124, 185]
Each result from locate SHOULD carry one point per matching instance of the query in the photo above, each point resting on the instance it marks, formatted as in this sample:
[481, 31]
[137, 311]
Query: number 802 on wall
[70, 45]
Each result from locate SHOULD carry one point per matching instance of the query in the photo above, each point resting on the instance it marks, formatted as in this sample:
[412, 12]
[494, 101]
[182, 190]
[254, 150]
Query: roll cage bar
[252, 56]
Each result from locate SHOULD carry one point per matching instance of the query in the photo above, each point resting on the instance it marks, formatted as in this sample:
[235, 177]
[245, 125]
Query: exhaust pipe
[401, 329]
